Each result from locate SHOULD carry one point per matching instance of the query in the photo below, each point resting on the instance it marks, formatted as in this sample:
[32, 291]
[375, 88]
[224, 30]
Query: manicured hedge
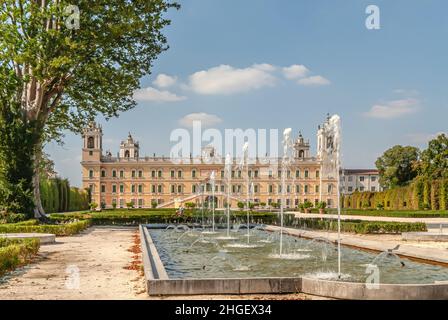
[63, 229]
[135, 217]
[15, 253]
[58, 196]
[420, 194]
[357, 226]
[397, 213]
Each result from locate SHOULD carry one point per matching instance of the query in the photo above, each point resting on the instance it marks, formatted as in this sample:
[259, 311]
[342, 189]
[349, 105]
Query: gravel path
[107, 260]
[99, 256]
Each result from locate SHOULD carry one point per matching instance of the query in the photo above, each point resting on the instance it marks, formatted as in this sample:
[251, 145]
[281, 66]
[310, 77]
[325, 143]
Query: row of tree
[58, 196]
[399, 165]
[421, 194]
[412, 179]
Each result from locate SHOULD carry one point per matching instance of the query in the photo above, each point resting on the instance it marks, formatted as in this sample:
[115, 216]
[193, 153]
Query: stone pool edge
[158, 283]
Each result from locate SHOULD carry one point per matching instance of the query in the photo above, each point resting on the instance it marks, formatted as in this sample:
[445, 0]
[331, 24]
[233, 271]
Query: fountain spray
[228, 173]
[202, 203]
[285, 160]
[245, 162]
[331, 163]
[212, 180]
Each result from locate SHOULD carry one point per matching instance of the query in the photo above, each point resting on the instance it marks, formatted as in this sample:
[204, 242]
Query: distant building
[360, 180]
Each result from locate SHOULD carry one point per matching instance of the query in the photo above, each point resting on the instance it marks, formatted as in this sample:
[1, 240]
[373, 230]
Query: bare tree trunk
[39, 212]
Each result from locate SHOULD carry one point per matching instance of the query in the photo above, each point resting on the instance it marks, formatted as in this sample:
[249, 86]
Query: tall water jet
[244, 164]
[331, 165]
[228, 176]
[287, 143]
[212, 183]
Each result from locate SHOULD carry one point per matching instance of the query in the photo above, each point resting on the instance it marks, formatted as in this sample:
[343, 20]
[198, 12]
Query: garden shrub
[15, 253]
[444, 195]
[420, 194]
[357, 226]
[138, 216]
[11, 217]
[58, 196]
[62, 229]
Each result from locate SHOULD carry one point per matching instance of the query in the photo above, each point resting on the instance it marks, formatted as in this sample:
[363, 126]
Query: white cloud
[164, 80]
[393, 109]
[152, 94]
[265, 67]
[295, 71]
[225, 79]
[206, 119]
[314, 81]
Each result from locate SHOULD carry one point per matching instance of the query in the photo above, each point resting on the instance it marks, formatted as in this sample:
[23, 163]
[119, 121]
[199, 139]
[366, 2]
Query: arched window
[127, 154]
[301, 154]
[90, 142]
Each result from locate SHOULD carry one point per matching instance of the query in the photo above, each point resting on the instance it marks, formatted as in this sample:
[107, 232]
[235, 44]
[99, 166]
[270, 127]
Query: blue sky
[277, 64]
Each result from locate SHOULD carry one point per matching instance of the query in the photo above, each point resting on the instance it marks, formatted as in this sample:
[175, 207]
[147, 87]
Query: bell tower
[93, 143]
[301, 148]
[129, 149]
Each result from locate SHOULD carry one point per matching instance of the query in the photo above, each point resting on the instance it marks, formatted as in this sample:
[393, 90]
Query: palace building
[161, 182]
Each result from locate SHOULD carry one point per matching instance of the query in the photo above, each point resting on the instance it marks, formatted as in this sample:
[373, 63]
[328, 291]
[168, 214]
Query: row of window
[141, 202]
[179, 174]
[351, 189]
[360, 178]
[208, 187]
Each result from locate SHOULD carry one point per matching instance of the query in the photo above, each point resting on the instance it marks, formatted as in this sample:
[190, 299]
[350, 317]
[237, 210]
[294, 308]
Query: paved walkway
[98, 255]
[431, 221]
[435, 251]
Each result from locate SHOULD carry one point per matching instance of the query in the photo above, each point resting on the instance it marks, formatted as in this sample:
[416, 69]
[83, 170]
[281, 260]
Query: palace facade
[161, 182]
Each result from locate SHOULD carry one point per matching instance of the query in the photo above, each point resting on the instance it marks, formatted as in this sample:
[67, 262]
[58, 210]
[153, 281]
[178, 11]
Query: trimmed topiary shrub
[444, 195]
[63, 229]
[358, 226]
[58, 196]
[420, 194]
[15, 253]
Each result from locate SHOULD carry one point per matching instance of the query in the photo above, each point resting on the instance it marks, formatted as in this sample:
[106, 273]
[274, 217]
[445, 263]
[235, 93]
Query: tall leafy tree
[397, 166]
[434, 160]
[58, 73]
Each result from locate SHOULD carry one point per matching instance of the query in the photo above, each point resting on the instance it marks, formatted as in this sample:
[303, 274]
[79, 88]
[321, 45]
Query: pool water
[188, 253]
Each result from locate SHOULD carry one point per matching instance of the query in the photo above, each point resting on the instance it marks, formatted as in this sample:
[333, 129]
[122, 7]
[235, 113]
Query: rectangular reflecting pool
[189, 253]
